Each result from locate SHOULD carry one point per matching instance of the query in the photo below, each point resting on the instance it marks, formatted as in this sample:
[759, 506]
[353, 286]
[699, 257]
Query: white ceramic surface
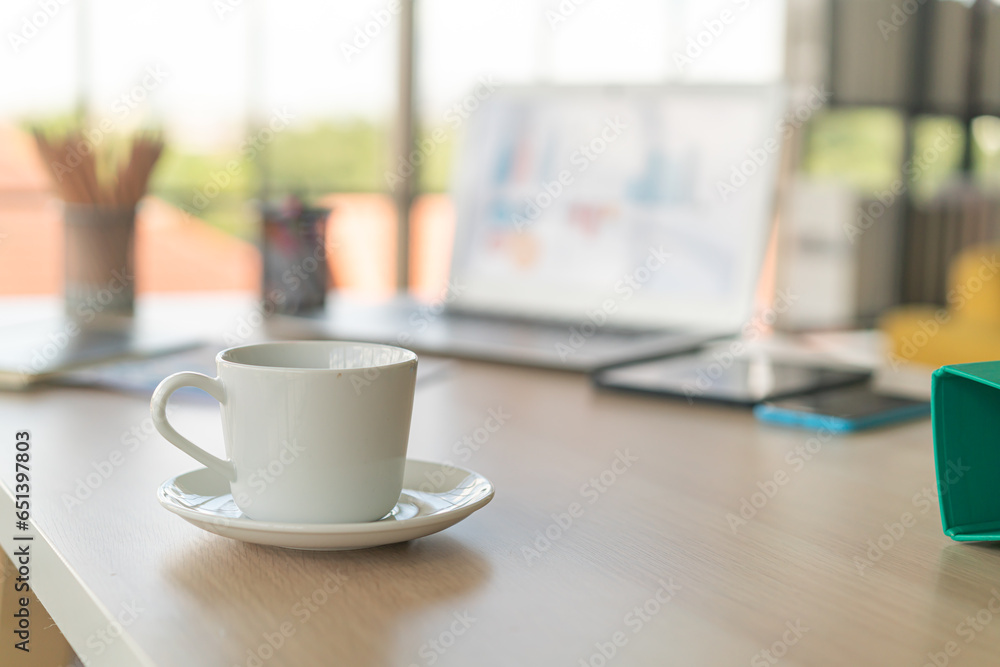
[315, 431]
[435, 496]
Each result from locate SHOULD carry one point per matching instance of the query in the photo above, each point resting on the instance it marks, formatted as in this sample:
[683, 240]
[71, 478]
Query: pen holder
[100, 261]
[296, 273]
[964, 404]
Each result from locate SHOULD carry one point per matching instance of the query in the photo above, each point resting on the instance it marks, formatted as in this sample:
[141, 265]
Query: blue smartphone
[842, 410]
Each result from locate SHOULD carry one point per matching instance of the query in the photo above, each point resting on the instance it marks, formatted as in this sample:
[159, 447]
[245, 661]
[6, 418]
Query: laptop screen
[650, 205]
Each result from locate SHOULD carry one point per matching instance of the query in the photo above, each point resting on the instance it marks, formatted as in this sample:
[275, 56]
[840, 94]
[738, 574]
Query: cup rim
[220, 358]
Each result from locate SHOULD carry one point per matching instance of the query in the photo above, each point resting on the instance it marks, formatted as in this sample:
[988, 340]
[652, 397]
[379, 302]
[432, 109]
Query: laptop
[595, 226]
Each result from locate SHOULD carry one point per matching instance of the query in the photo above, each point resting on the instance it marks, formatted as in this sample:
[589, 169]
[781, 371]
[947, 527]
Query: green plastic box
[965, 417]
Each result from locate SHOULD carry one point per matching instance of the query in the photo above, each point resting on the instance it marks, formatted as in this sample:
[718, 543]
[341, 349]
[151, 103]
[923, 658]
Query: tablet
[719, 377]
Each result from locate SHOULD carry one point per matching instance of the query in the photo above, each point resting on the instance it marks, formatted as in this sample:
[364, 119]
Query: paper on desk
[143, 376]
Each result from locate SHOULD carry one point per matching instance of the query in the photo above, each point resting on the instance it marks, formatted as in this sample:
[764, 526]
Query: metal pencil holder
[100, 261]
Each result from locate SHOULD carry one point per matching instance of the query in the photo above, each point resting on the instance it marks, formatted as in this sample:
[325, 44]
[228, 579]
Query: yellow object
[966, 330]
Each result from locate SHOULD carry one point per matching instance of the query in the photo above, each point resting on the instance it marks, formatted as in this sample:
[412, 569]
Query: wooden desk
[652, 532]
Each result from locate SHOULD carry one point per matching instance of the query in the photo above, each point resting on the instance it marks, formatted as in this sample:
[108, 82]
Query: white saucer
[435, 496]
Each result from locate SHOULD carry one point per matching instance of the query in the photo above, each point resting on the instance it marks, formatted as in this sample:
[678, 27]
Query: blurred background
[258, 97]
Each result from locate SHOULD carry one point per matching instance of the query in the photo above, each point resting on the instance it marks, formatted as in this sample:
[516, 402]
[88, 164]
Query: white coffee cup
[315, 431]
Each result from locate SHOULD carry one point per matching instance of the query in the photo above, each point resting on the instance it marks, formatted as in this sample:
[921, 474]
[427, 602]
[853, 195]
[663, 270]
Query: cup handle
[158, 410]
